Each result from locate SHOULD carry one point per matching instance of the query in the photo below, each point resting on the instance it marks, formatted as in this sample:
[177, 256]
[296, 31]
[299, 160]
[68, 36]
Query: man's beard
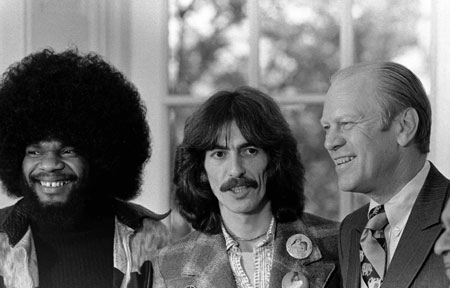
[70, 215]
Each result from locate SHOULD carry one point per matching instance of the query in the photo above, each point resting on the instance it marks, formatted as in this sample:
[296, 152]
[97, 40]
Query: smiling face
[236, 173]
[53, 171]
[365, 155]
[442, 246]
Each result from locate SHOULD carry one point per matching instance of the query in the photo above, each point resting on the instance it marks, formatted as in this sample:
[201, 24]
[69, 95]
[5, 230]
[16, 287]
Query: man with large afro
[73, 143]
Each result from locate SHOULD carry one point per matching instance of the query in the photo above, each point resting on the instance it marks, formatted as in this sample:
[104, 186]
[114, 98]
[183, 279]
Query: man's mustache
[236, 182]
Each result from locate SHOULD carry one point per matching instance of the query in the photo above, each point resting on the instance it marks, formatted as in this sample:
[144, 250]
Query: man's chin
[56, 211]
[52, 203]
[45, 201]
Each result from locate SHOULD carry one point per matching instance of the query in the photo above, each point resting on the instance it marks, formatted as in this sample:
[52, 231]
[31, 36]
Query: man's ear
[408, 121]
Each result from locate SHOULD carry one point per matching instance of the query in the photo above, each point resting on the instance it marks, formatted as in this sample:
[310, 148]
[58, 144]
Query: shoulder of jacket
[4, 214]
[314, 221]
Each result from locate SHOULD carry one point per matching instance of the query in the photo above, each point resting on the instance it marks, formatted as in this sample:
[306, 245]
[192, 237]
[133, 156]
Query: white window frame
[147, 68]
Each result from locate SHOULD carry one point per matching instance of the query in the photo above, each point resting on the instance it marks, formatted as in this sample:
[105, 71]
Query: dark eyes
[218, 154]
[245, 152]
[68, 151]
[250, 151]
[34, 152]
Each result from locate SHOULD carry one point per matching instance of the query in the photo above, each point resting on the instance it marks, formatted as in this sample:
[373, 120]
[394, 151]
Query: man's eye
[218, 154]
[251, 151]
[32, 152]
[68, 151]
[346, 125]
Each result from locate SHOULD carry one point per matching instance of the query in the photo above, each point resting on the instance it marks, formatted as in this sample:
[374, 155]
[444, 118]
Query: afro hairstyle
[82, 101]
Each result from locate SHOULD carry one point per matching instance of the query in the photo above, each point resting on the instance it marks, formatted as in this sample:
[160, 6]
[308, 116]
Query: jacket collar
[423, 227]
[14, 219]
[208, 262]
[132, 214]
[14, 222]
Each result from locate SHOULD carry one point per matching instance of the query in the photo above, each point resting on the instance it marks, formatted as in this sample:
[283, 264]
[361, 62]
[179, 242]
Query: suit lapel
[353, 272]
[213, 270]
[284, 263]
[421, 231]
[354, 263]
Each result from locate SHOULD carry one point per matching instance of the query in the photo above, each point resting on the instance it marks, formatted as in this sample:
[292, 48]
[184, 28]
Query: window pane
[177, 115]
[394, 30]
[299, 45]
[321, 191]
[208, 42]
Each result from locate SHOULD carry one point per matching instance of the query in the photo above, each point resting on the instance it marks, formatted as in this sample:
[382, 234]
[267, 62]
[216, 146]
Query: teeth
[344, 160]
[54, 184]
[239, 189]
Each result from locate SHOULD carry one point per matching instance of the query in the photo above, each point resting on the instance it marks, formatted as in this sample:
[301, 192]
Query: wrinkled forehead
[355, 90]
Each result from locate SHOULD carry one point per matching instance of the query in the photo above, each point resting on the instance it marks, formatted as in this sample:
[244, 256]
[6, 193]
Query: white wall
[440, 86]
[12, 46]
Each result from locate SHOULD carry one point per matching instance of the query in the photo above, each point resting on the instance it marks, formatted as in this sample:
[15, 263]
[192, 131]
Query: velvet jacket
[414, 263]
[138, 234]
[201, 260]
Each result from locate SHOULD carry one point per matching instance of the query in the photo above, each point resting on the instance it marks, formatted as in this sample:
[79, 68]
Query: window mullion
[346, 34]
[254, 20]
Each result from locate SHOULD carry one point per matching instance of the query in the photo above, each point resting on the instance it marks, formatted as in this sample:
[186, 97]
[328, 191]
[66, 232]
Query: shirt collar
[399, 207]
[230, 242]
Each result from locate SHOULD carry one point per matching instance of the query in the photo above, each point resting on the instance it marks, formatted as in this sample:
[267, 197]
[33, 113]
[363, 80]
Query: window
[298, 46]
[178, 52]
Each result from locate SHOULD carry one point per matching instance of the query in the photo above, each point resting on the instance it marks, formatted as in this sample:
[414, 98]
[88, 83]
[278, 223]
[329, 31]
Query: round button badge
[294, 279]
[299, 246]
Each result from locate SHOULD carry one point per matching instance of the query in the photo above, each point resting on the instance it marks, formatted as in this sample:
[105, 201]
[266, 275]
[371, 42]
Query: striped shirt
[263, 258]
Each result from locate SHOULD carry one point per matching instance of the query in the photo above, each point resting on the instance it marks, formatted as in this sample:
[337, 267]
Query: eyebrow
[243, 145]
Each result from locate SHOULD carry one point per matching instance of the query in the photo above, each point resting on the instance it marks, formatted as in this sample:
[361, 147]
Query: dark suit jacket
[414, 263]
[201, 260]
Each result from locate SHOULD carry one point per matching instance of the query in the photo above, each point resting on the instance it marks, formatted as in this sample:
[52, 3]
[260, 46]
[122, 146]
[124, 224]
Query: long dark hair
[261, 122]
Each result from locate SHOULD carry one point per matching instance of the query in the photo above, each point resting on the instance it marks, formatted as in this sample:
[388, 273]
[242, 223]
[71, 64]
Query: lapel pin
[294, 279]
[299, 246]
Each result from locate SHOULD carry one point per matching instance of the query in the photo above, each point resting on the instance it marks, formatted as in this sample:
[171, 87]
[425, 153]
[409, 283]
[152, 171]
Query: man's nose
[442, 245]
[51, 162]
[333, 140]
[237, 168]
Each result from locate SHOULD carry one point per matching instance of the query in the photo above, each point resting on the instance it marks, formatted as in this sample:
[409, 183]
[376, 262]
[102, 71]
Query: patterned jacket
[201, 260]
[138, 234]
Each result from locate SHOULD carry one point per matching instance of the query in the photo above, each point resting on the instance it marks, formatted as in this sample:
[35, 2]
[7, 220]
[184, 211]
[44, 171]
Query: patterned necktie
[373, 244]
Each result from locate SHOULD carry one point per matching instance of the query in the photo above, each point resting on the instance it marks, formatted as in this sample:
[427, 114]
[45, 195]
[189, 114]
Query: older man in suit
[239, 182]
[377, 120]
